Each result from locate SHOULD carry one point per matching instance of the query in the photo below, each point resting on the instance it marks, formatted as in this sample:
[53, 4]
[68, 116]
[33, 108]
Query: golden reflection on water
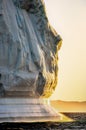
[65, 118]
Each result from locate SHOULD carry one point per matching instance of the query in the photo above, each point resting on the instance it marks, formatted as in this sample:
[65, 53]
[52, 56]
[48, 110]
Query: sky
[68, 17]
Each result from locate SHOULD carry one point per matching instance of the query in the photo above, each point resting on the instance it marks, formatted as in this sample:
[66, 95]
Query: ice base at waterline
[27, 110]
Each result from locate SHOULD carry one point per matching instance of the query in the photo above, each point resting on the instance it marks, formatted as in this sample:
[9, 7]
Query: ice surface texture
[28, 50]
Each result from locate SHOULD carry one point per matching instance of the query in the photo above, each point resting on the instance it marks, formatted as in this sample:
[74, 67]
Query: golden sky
[68, 17]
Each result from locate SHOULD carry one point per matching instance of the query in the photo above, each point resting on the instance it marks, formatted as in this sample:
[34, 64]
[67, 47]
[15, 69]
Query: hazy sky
[68, 17]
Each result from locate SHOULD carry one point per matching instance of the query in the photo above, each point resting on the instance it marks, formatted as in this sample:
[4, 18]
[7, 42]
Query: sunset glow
[69, 19]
